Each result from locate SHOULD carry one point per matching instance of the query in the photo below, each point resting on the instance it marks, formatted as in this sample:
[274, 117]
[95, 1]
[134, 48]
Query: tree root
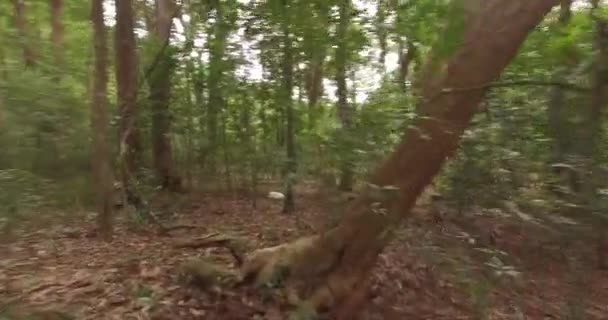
[206, 274]
[236, 245]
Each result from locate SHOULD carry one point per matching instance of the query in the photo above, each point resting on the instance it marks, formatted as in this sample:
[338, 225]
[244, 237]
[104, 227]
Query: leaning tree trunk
[102, 171]
[334, 265]
[160, 94]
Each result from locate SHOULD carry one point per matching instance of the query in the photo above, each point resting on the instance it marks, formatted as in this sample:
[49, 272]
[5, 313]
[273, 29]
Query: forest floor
[476, 266]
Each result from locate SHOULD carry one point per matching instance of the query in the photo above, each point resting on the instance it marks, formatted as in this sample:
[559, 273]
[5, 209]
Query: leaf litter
[426, 273]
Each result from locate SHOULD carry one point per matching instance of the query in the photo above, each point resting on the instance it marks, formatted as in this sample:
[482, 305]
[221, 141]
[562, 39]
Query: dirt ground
[482, 266]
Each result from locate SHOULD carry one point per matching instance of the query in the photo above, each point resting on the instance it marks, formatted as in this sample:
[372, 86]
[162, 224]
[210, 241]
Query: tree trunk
[406, 56]
[343, 256]
[160, 95]
[593, 125]
[557, 100]
[382, 33]
[287, 82]
[344, 110]
[56, 7]
[317, 53]
[29, 55]
[215, 105]
[102, 172]
[126, 82]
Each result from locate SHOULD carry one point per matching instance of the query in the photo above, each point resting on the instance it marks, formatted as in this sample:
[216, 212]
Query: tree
[315, 49]
[56, 8]
[102, 172]
[382, 32]
[557, 100]
[29, 55]
[216, 102]
[340, 259]
[406, 57]
[344, 110]
[160, 94]
[126, 82]
[287, 100]
[593, 123]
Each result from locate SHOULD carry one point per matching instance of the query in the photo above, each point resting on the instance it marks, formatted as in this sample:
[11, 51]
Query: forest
[303, 159]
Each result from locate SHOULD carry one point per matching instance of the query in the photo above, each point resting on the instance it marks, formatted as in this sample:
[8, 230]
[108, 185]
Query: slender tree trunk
[160, 95]
[593, 127]
[56, 7]
[102, 172]
[126, 81]
[341, 258]
[215, 105]
[557, 102]
[382, 32]
[344, 110]
[287, 83]
[315, 71]
[406, 57]
[314, 85]
[29, 55]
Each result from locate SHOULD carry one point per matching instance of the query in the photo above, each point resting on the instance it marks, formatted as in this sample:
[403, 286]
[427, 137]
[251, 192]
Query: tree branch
[516, 83]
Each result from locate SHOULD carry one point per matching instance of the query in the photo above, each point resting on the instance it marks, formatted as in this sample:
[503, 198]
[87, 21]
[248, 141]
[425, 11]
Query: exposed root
[235, 245]
[206, 274]
[322, 271]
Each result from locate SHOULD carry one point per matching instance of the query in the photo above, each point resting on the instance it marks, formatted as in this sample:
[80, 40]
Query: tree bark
[160, 95]
[382, 33]
[344, 110]
[287, 91]
[343, 256]
[126, 82]
[215, 105]
[56, 7]
[406, 57]
[29, 55]
[102, 172]
[593, 126]
[557, 102]
[316, 52]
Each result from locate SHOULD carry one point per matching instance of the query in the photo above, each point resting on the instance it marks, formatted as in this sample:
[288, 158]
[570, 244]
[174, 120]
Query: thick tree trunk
[287, 82]
[56, 7]
[343, 256]
[160, 95]
[126, 81]
[102, 172]
[29, 55]
[344, 110]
